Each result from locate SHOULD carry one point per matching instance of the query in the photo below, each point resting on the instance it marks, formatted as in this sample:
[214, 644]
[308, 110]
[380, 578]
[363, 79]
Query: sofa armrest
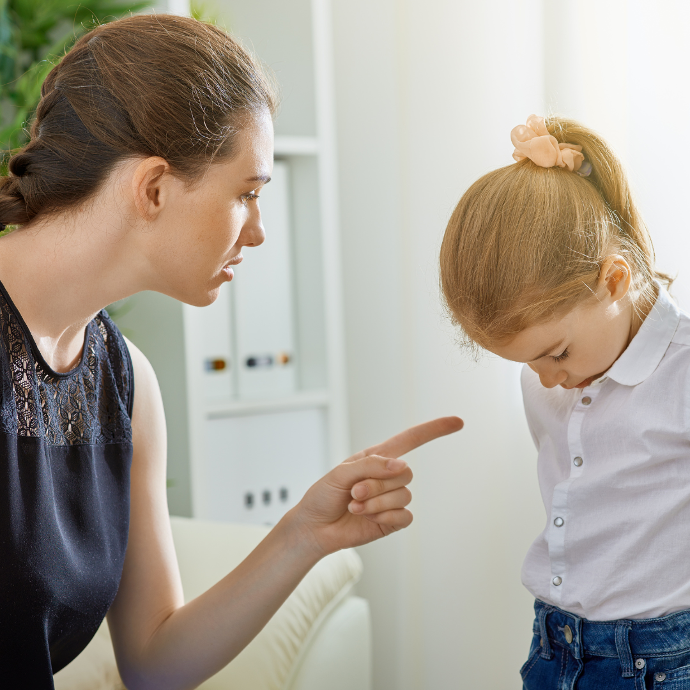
[207, 551]
[339, 656]
[287, 646]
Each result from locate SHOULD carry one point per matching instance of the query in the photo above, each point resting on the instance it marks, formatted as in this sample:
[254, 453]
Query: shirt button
[577, 461]
[660, 677]
[558, 522]
[639, 663]
[586, 400]
[557, 580]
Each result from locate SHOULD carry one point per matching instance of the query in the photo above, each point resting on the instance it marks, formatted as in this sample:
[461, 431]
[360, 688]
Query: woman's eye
[562, 356]
[249, 197]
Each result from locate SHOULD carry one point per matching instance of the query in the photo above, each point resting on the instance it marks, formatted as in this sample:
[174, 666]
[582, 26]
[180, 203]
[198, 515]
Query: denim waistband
[625, 639]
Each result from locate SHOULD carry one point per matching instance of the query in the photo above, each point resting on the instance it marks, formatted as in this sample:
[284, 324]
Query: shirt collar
[646, 350]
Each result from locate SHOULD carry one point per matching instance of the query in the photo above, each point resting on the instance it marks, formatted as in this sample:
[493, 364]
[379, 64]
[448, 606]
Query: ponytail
[609, 178]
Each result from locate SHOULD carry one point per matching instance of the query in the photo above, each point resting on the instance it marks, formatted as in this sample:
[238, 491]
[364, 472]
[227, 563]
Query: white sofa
[320, 639]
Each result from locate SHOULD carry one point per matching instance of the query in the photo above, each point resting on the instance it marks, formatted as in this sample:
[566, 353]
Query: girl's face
[200, 231]
[573, 350]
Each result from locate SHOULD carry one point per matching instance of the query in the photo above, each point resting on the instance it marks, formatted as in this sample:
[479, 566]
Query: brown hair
[147, 85]
[526, 243]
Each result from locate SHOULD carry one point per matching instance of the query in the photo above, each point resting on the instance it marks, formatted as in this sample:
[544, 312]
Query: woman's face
[201, 230]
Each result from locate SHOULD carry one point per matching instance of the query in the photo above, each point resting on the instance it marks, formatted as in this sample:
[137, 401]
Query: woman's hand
[364, 497]
[161, 642]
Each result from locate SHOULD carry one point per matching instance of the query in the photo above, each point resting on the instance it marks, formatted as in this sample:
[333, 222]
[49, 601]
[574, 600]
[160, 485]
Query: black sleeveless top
[65, 456]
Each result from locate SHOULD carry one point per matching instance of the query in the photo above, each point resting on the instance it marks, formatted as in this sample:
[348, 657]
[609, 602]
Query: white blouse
[614, 474]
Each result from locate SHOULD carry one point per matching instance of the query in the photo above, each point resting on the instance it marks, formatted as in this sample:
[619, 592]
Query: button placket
[559, 504]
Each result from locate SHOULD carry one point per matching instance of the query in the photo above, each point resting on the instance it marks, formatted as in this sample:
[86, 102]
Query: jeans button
[639, 663]
[568, 634]
[660, 677]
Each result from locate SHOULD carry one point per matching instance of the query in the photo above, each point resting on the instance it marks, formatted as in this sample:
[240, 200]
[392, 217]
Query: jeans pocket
[532, 657]
[673, 679]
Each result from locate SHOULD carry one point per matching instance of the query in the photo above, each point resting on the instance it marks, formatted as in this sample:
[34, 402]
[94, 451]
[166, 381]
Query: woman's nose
[253, 233]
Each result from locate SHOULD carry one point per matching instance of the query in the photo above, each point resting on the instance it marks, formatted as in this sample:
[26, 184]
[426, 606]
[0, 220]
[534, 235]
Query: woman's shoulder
[115, 349]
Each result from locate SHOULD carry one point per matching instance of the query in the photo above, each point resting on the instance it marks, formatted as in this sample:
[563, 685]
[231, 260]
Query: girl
[150, 145]
[548, 262]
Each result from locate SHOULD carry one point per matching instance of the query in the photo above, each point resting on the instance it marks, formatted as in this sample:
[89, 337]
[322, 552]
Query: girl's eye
[562, 356]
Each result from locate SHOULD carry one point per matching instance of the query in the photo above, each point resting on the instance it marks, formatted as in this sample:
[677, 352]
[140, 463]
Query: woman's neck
[60, 272]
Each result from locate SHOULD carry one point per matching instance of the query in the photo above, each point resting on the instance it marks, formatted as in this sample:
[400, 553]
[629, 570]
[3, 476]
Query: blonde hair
[526, 243]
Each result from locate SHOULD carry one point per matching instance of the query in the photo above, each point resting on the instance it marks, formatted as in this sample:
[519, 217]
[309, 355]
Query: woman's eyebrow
[548, 349]
[259, 178]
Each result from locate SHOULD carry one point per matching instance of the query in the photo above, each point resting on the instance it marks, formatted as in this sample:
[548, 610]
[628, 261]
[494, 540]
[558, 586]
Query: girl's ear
[615, 277]
[149, 186]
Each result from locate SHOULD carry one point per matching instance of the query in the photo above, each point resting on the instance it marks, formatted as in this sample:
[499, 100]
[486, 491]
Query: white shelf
[295, 37]
[298, 401]
[296, 146]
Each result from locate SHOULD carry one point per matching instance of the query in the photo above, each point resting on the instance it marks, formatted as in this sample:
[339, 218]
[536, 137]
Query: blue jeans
[572, 653]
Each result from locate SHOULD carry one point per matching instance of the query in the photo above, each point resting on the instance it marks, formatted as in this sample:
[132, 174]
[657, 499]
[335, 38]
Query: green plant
[34, 35]
[204, 11]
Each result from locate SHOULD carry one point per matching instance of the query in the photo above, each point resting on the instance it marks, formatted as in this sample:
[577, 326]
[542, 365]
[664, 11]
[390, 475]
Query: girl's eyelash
[562, 356]
[249, 197]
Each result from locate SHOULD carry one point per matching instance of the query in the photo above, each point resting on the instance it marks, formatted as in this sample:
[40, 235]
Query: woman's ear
[150, 184]
[615, 277]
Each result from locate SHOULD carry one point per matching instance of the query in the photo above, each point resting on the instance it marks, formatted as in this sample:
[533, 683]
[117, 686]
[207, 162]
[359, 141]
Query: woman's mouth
[227, 269]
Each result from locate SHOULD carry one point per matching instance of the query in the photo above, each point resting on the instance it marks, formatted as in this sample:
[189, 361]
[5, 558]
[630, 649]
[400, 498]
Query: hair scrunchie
[533, 141]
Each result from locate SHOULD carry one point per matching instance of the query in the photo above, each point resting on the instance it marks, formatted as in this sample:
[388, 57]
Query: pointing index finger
[416, 436]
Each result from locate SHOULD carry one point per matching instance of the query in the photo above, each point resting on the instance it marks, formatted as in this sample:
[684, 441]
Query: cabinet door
[263, 301]
[259, 466]
[211, 339]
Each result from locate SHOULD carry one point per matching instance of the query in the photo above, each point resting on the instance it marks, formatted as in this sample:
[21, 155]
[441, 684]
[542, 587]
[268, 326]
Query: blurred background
[332, 336]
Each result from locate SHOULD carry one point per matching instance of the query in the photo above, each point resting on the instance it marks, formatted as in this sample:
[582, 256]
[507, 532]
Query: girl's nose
[550, 379]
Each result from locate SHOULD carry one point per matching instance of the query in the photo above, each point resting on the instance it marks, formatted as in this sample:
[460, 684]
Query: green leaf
[34, 36]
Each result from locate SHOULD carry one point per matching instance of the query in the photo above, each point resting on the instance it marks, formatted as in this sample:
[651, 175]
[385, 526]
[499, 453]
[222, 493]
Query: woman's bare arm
[159, 641]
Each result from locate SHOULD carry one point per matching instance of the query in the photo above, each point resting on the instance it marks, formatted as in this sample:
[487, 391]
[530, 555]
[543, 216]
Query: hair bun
[19, 164]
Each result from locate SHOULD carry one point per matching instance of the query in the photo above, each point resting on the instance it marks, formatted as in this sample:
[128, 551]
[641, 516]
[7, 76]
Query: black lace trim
[89, 405]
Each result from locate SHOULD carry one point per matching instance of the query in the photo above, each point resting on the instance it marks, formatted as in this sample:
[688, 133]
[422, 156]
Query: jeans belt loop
[623, 649]
[577, 649]
[546, 652]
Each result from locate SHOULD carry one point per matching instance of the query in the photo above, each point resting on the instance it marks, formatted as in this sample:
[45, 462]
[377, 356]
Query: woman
[151, 142]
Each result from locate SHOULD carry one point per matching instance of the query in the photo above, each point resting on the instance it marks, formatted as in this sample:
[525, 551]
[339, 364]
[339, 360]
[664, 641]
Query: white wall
[427, 92]
[624, 70]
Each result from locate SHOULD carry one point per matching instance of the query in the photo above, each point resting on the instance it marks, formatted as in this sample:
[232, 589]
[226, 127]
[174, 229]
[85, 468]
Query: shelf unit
[306, 428]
